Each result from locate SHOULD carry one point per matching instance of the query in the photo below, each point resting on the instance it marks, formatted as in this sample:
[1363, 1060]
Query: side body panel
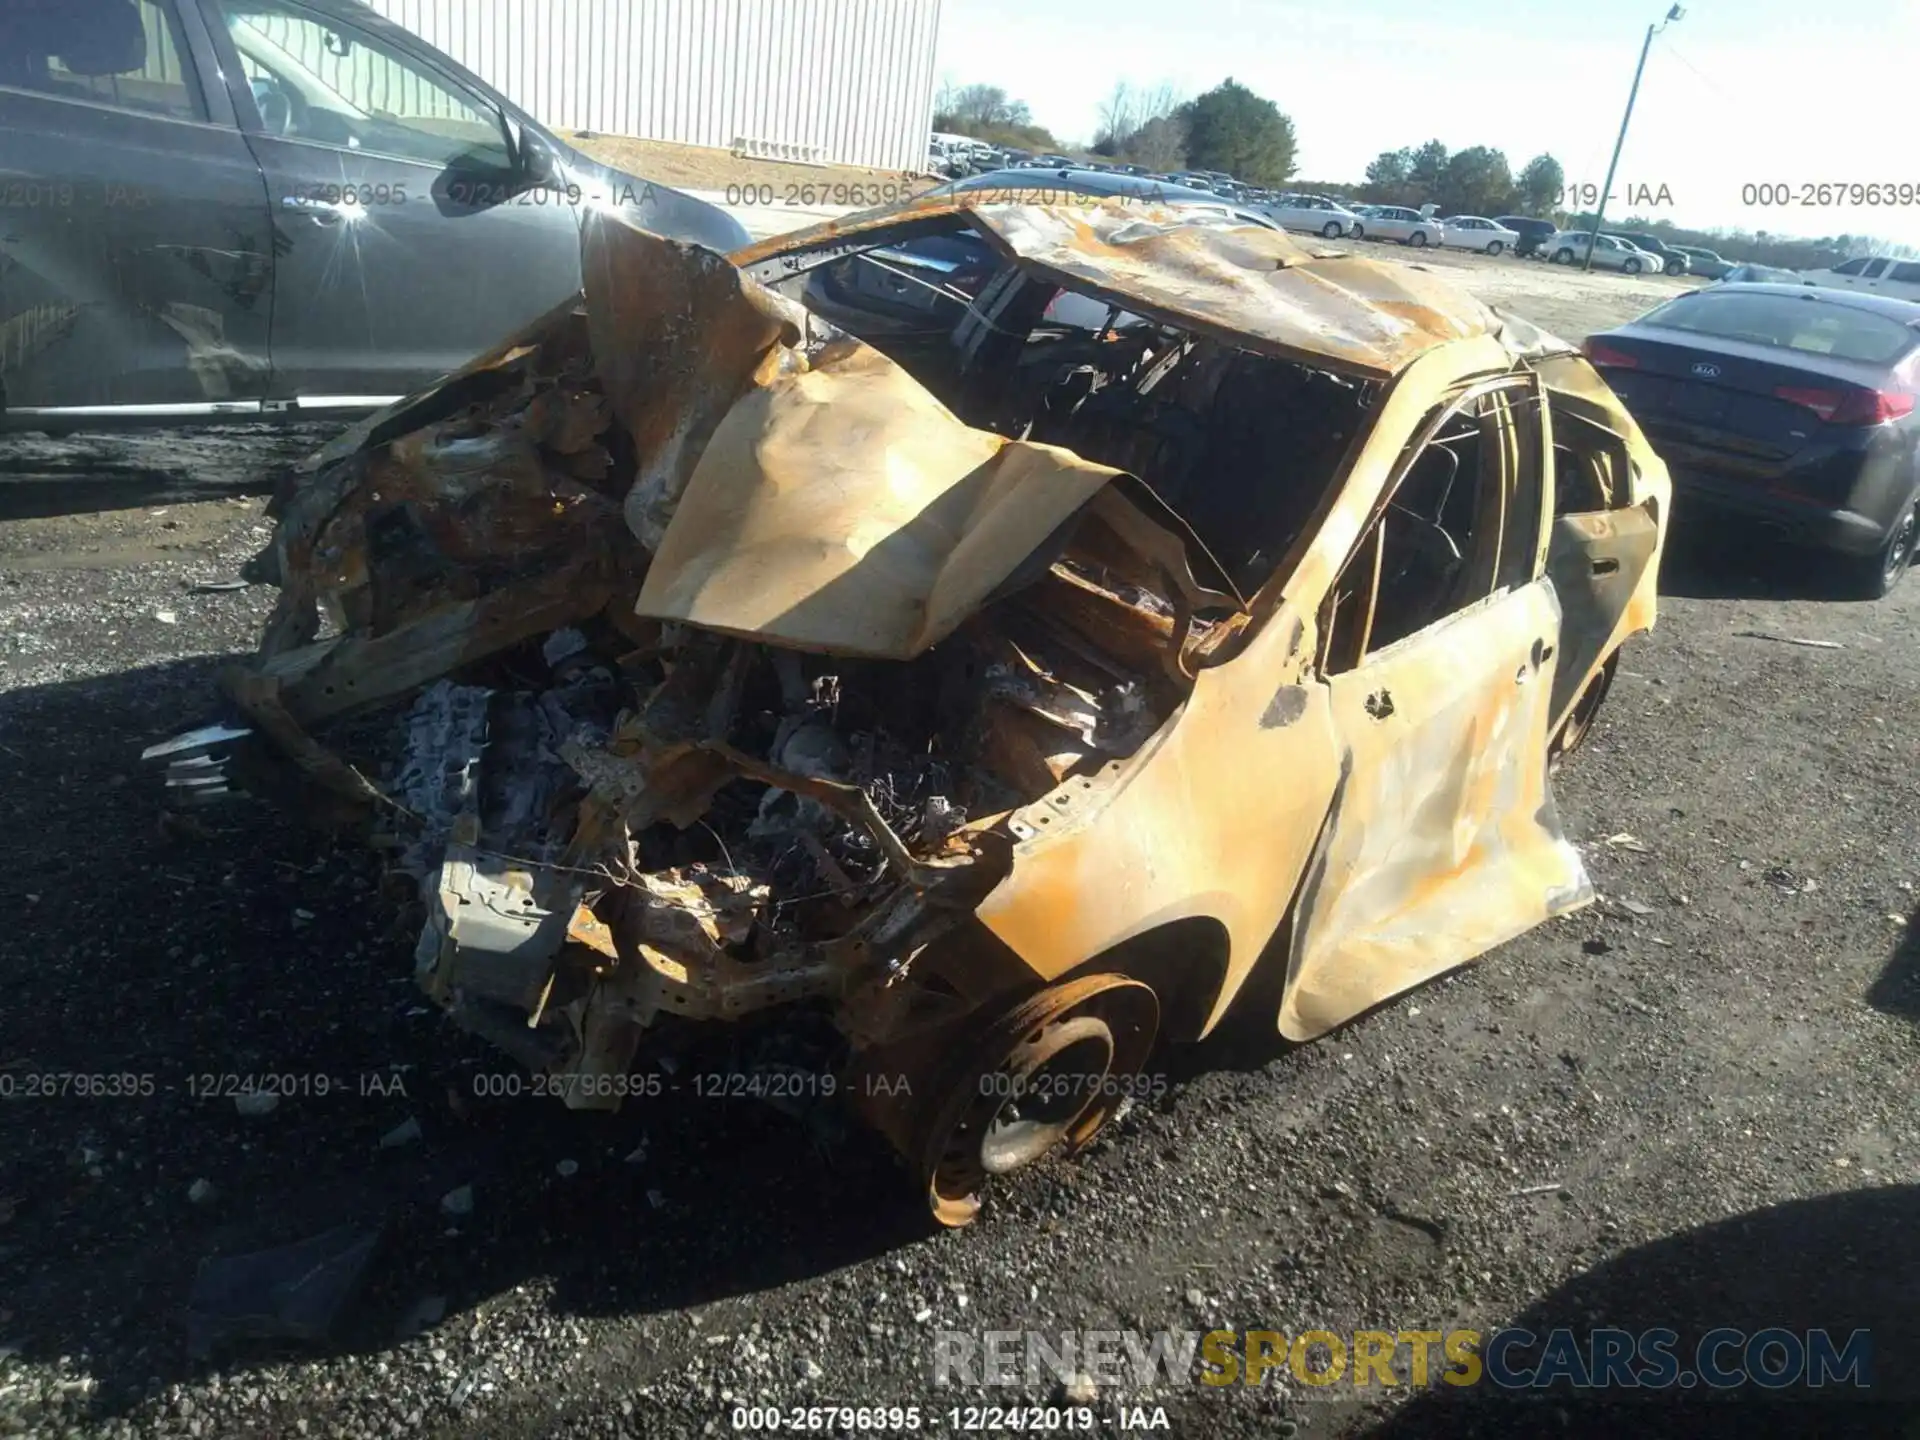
[1218, 816]
[1444, 841]
[393, 269]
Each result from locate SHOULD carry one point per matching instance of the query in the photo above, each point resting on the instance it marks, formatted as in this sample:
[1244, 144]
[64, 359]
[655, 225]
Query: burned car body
[994, 688]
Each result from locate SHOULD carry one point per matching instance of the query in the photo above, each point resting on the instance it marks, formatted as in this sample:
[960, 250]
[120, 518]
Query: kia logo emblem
[1706, 371]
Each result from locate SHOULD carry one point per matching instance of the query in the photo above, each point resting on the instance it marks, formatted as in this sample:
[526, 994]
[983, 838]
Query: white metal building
[849, 81]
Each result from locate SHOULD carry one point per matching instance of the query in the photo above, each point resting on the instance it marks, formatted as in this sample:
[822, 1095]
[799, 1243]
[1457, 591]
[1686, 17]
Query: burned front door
[1439, 644]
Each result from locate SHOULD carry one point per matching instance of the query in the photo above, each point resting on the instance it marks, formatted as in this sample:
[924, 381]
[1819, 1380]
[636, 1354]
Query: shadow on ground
[1841, 1263]
[1734, 560]
[1896, 991]
[175, 957]
[42, 475]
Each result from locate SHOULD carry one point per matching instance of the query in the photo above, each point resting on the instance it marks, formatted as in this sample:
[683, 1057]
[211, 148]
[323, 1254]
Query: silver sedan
[1569, 247]
[1397, 222]
[1321, 214]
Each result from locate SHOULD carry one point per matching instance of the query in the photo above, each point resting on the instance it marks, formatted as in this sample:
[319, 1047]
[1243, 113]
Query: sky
[1736, 94]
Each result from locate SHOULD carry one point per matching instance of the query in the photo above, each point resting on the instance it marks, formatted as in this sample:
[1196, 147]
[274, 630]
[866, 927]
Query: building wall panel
[852, 79]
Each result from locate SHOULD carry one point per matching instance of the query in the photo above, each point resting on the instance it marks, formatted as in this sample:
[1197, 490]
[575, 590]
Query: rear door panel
[1596, 561]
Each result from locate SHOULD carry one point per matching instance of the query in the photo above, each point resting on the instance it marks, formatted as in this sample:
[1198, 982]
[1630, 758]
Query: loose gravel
[1715, 1069]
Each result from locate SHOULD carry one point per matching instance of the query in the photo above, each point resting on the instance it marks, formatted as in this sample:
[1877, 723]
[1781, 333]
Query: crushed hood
[846, 509]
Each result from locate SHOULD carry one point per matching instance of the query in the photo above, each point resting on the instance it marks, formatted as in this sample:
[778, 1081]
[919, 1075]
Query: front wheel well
[1185, 961]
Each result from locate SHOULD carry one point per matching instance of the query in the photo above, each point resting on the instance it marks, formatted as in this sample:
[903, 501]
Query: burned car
[848, 638]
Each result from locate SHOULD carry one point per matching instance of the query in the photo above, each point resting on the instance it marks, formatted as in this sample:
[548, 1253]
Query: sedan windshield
[1788, 322]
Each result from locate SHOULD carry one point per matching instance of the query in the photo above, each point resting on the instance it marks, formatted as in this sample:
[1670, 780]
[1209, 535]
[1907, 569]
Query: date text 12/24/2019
[954, 1419]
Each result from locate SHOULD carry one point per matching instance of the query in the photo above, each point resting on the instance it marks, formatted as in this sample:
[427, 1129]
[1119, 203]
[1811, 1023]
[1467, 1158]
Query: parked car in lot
[1321, 214]
[1706, 263]
[958, 710]
[1569, 247]
[1034, 185]
[1761, 275]
[1534, 234]
[1476, 232]
[1672, 261]
[1791, 405]
[1874, 275]
[1397, 222]
[223, 209]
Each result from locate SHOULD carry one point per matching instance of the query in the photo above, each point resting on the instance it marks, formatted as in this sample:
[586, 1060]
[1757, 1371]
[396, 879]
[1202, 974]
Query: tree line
[1231, 129]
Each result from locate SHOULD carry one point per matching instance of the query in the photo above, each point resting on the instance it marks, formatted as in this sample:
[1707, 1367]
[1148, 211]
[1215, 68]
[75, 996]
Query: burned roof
[1245, 284]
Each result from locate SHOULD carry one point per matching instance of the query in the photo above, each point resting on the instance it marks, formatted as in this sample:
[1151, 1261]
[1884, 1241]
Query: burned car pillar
[949, 690]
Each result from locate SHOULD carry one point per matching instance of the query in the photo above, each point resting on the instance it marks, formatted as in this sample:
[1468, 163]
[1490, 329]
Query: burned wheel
[1579, 721]
[1047, 1074]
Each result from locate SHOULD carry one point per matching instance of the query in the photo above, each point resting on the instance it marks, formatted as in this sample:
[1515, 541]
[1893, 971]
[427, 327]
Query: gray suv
[229, 209]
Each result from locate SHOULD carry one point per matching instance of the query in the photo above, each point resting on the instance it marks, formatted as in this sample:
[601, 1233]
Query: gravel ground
[1715, 1067]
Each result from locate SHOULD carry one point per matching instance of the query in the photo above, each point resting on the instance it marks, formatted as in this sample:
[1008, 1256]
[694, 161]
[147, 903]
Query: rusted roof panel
[1245, 284]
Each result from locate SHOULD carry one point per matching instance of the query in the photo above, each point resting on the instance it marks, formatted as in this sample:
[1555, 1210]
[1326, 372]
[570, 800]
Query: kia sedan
[1787, 404]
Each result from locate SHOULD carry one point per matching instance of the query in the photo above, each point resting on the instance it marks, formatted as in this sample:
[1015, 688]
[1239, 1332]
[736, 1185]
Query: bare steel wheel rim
[1045, 1076]
[1055, 1075]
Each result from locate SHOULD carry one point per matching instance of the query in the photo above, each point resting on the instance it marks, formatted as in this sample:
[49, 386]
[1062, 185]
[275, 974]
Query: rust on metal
[963, 691]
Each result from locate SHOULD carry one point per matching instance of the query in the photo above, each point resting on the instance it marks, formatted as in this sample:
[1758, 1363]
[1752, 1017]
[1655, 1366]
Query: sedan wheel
[1874, 576]
[1496, 247]
[1632, 267]
[1563, 256]
[1359, 232]
[1331, 230]
[1418, 240]
[1579, 722]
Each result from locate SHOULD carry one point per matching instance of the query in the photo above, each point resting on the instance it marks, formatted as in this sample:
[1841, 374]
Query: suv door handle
[323, 212]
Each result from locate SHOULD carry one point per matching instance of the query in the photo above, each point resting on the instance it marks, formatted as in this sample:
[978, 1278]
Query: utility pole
[1600, 205]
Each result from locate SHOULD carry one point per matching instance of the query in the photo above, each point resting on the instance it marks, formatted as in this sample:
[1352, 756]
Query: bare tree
[1159, 145]
[1128, 110]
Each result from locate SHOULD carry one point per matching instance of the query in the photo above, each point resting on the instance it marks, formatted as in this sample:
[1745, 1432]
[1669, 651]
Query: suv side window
[125, 53]
[1852, 267]
[1873, 269]
[1461, 520]
[327, 83]
[1907, 273]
